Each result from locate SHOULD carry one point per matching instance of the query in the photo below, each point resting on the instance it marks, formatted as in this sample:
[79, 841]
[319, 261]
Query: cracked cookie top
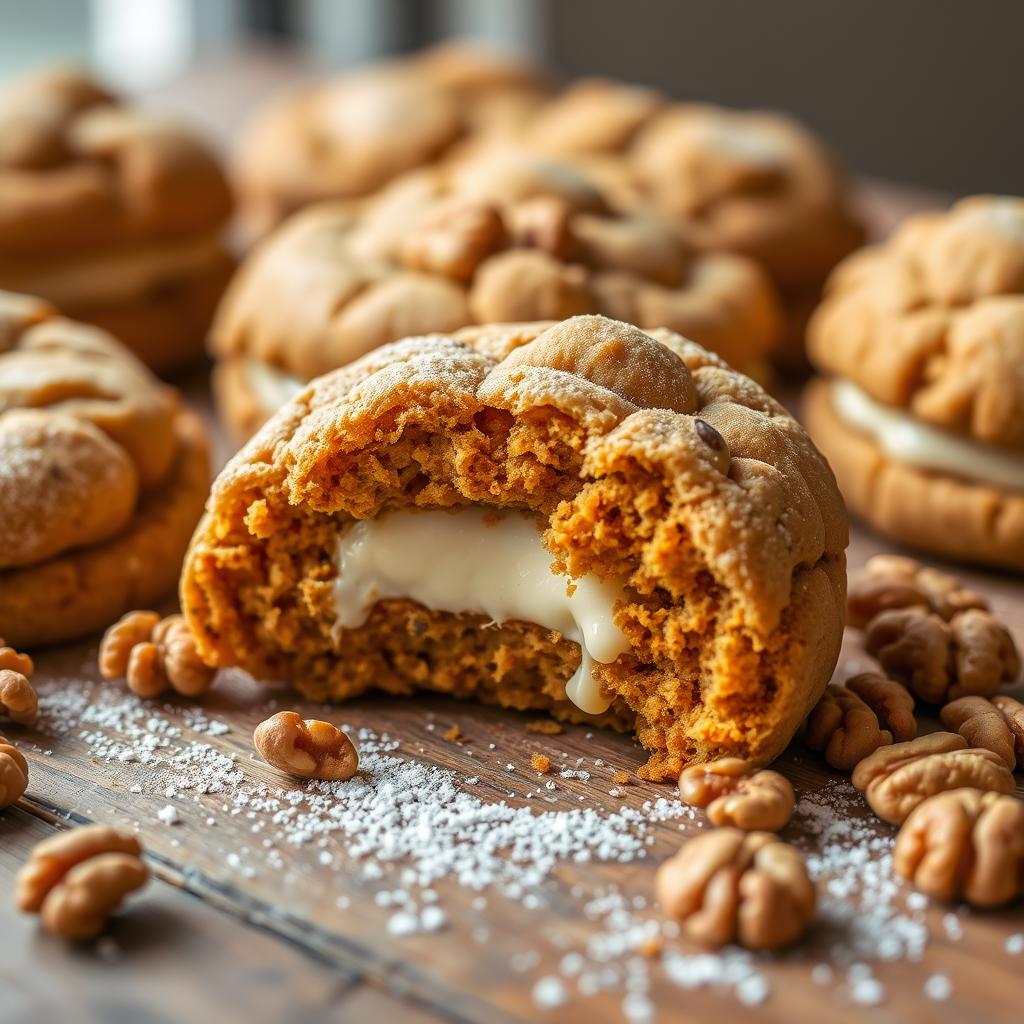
[503, 234]
[932, 321]
[80, 170]
[84, 430]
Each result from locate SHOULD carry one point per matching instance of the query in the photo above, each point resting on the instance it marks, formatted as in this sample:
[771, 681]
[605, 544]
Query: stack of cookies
[103, 475]
[113, 215]
[922, 414]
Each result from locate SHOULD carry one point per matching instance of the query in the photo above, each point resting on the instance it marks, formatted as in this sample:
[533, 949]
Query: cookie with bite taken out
[582, 517]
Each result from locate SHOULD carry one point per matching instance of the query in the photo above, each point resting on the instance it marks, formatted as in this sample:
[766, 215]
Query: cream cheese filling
[470, 562]
[909, 440]
[124, 275]
[270, 387]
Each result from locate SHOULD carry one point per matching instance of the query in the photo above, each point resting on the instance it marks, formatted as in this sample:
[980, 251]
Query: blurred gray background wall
[923, 91]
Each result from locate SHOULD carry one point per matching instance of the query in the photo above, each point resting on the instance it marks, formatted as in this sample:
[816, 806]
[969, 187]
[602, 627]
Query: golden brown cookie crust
[103, 476]
[750, 182]
[927, 510]
[81, 592]
[732, 533]
[932, 322]
[167, 330]
[502, 235]
[112, 214]
[81, 172]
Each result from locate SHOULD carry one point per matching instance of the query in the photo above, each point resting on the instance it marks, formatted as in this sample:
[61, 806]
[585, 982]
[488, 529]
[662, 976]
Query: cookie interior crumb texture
[640, 459]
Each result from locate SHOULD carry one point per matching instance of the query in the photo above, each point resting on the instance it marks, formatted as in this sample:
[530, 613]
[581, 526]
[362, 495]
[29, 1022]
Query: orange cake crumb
[454, 734]
[621, 778]
[540, 762]
[546, 726]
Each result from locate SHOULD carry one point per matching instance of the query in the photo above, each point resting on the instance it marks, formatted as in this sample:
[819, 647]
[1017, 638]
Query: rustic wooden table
[263, 909]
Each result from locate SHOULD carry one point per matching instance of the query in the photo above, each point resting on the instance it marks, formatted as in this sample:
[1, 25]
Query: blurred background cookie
[112, 214]
[503, 234]
[348, 136]
[923, 415]
[103, 475]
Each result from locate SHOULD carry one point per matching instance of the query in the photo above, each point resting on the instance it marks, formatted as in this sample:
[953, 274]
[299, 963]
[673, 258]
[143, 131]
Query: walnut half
[13, 773]
[762, 801]
[307, 748]
[154, 654]
[889, 582]
[972, 654]
[982, 724]
[896, 779]
[844, 728]
[964, 844]
[76, 880]
[734, 886]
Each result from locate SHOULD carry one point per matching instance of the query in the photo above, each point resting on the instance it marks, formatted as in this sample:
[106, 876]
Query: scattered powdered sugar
[402, 825]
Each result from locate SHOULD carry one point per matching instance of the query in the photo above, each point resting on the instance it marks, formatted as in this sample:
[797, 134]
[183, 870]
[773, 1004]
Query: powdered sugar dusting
[407, 830]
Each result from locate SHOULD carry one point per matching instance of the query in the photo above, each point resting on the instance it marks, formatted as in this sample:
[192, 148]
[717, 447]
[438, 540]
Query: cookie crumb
[453, 735]
[540, 762]
[545, 726]
[621, 778]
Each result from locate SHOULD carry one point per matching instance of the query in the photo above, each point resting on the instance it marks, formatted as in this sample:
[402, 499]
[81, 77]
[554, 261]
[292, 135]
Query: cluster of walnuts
[962, 830]
[936, 642]
[76, 880]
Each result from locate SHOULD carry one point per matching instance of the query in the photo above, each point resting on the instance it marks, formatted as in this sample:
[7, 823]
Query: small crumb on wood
[454, 734]
[540, 762]
[621, 778]
[545, 726]
[651, 947]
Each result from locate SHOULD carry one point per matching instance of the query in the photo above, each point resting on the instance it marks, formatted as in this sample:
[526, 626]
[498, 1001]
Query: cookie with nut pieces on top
[920, 406]
[112, 213]
[103, 474]
[650, 540]
[502, 235]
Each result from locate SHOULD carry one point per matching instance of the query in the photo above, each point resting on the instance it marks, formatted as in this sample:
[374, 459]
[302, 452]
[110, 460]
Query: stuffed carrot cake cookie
[608, 524]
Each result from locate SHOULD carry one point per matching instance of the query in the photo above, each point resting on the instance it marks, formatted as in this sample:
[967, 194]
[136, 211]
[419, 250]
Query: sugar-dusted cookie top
[750, 182]
[501, 235]
[768, 500]
[932, 321]
[84, 430]
[80, 170]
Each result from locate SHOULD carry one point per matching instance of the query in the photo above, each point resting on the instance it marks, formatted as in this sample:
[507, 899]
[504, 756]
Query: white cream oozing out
[911, 441]
[469, 562]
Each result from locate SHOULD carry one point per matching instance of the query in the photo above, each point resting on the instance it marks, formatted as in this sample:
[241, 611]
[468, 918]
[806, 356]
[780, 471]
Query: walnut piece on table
[154, 654]
[964, 844]
[308, 748]
[733, 886]
[18, 699]
[75, 881]
[892, 703]
[733, 795]
[13, 773]
[982, 724]
[895, 779]
[971, 655]
[844, 728]
[1013, 712]
[889, 582]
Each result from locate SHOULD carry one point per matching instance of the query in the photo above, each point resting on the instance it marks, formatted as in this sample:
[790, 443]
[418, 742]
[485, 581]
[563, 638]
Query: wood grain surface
[227, 933]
